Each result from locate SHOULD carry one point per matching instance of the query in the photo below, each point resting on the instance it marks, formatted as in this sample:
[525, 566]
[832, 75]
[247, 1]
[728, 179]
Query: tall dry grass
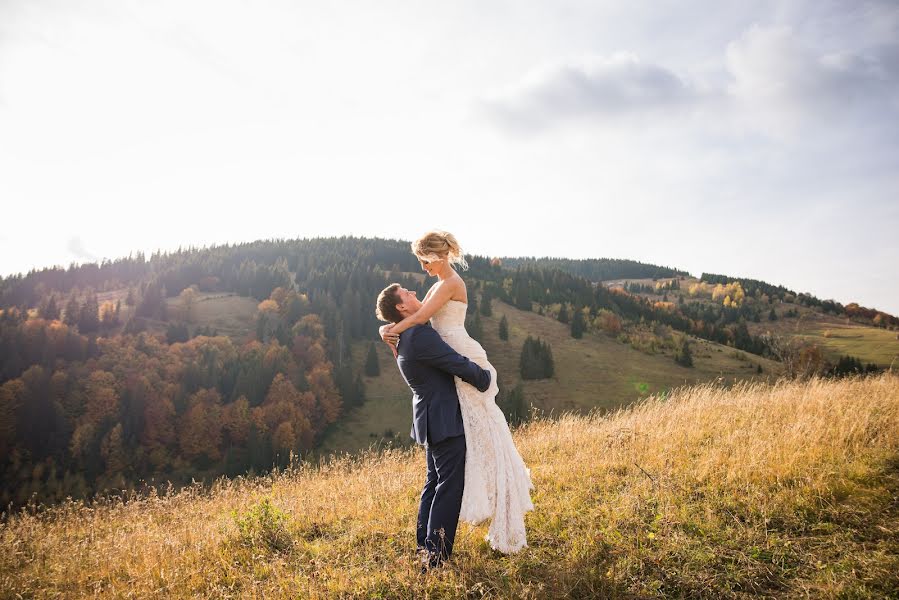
[783, 490]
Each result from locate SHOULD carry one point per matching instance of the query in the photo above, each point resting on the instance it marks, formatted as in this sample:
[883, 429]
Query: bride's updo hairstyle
[440, 245]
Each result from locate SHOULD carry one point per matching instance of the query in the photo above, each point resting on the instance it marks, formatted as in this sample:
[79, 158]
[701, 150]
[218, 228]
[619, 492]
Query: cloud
[770, 80]
[783, 84]
[595, 87]
[76, 247]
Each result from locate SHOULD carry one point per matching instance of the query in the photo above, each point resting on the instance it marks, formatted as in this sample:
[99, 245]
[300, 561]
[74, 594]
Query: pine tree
[536, 360]
[49, 310]
[176, 333]
[89, 317]
[504, 329]
[682, 354]
[522, 298]
[577, 325]
[486, 308]
[372, 366]
[474, 326]
[73, 311]
[549, 365]
[772, 316]
[513, 405]
[563, 314]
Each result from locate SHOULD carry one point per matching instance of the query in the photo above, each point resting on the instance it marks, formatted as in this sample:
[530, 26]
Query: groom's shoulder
[421, 332]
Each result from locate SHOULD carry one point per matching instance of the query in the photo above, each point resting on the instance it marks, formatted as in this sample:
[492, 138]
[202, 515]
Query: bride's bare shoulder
[455, 284]
[460, 292]
[431, 290]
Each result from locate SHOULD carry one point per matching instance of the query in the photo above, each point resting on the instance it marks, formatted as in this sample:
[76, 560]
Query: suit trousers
[441, 498]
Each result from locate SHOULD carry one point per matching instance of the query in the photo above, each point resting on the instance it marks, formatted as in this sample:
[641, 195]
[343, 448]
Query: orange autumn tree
[200, 431]
[286, 412]
[236, 421]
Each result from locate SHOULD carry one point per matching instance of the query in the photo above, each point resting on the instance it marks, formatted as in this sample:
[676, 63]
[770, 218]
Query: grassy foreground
[784, 490]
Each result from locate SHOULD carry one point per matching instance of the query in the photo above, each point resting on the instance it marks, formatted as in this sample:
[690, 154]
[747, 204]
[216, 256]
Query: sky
[754, 139]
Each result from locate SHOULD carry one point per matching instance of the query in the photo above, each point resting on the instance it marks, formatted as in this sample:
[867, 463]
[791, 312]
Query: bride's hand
[388, 337]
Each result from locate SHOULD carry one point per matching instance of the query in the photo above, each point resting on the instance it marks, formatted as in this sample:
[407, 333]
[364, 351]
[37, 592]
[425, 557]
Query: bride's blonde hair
[440, 245]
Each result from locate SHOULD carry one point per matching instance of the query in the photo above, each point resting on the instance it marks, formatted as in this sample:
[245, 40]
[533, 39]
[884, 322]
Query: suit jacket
[428, 365]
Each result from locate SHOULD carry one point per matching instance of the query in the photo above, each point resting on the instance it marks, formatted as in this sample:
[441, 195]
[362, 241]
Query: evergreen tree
[49, 310]
[513, 405]
[536, 360]
[520, 292]
[772, 316]
[372, 366]
[359, 390]
[89, 317]
[152, 303]
[486, 308]
[176, 333]
[577, 324]
[682, 354]
[474, 326]
[563, 314]
[352, 389]
[504, 329]
[73, 311]
[549, 366]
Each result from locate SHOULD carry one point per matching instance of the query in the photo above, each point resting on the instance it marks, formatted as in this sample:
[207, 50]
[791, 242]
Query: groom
[428, 365]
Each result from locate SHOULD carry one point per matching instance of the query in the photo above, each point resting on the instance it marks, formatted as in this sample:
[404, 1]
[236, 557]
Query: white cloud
[75, 246]
[784, 85]
[591, 87]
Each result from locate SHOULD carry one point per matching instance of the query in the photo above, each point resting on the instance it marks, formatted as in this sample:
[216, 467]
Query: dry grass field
[785, 490]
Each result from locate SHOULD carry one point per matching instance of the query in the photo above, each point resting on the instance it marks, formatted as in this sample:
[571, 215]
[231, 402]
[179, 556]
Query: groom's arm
[432, 350]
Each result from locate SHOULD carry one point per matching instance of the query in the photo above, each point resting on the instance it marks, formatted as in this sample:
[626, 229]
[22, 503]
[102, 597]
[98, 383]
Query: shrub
[265, 526]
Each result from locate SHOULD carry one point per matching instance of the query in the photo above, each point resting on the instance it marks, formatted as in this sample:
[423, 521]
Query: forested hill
[220, 360]
[596, 269]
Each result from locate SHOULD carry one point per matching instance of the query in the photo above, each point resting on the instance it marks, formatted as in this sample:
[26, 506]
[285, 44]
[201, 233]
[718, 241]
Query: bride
[497, 482]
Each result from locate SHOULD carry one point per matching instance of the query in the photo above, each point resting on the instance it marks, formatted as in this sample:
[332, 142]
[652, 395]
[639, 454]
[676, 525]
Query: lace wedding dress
[497, 482]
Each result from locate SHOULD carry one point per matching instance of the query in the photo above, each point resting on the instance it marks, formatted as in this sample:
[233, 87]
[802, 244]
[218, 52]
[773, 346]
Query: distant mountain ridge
[596, 269]
[389, 254]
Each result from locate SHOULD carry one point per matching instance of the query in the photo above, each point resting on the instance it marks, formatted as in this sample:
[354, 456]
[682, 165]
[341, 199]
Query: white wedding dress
[497, 482]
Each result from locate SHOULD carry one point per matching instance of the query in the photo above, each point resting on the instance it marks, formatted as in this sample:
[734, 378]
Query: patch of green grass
[230, 315]
[868, 344]
[388, 407]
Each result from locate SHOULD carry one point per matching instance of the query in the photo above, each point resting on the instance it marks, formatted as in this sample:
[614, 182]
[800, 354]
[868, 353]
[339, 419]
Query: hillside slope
[787, 490]
[595, 371]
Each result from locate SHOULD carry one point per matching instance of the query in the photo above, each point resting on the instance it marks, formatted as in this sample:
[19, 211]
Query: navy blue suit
[428, 365]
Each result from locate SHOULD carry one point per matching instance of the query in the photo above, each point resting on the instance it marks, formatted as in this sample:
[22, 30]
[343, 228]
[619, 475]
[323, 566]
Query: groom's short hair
[386, 306]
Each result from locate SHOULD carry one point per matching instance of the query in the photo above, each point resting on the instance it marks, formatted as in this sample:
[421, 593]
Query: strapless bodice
[450, 318]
